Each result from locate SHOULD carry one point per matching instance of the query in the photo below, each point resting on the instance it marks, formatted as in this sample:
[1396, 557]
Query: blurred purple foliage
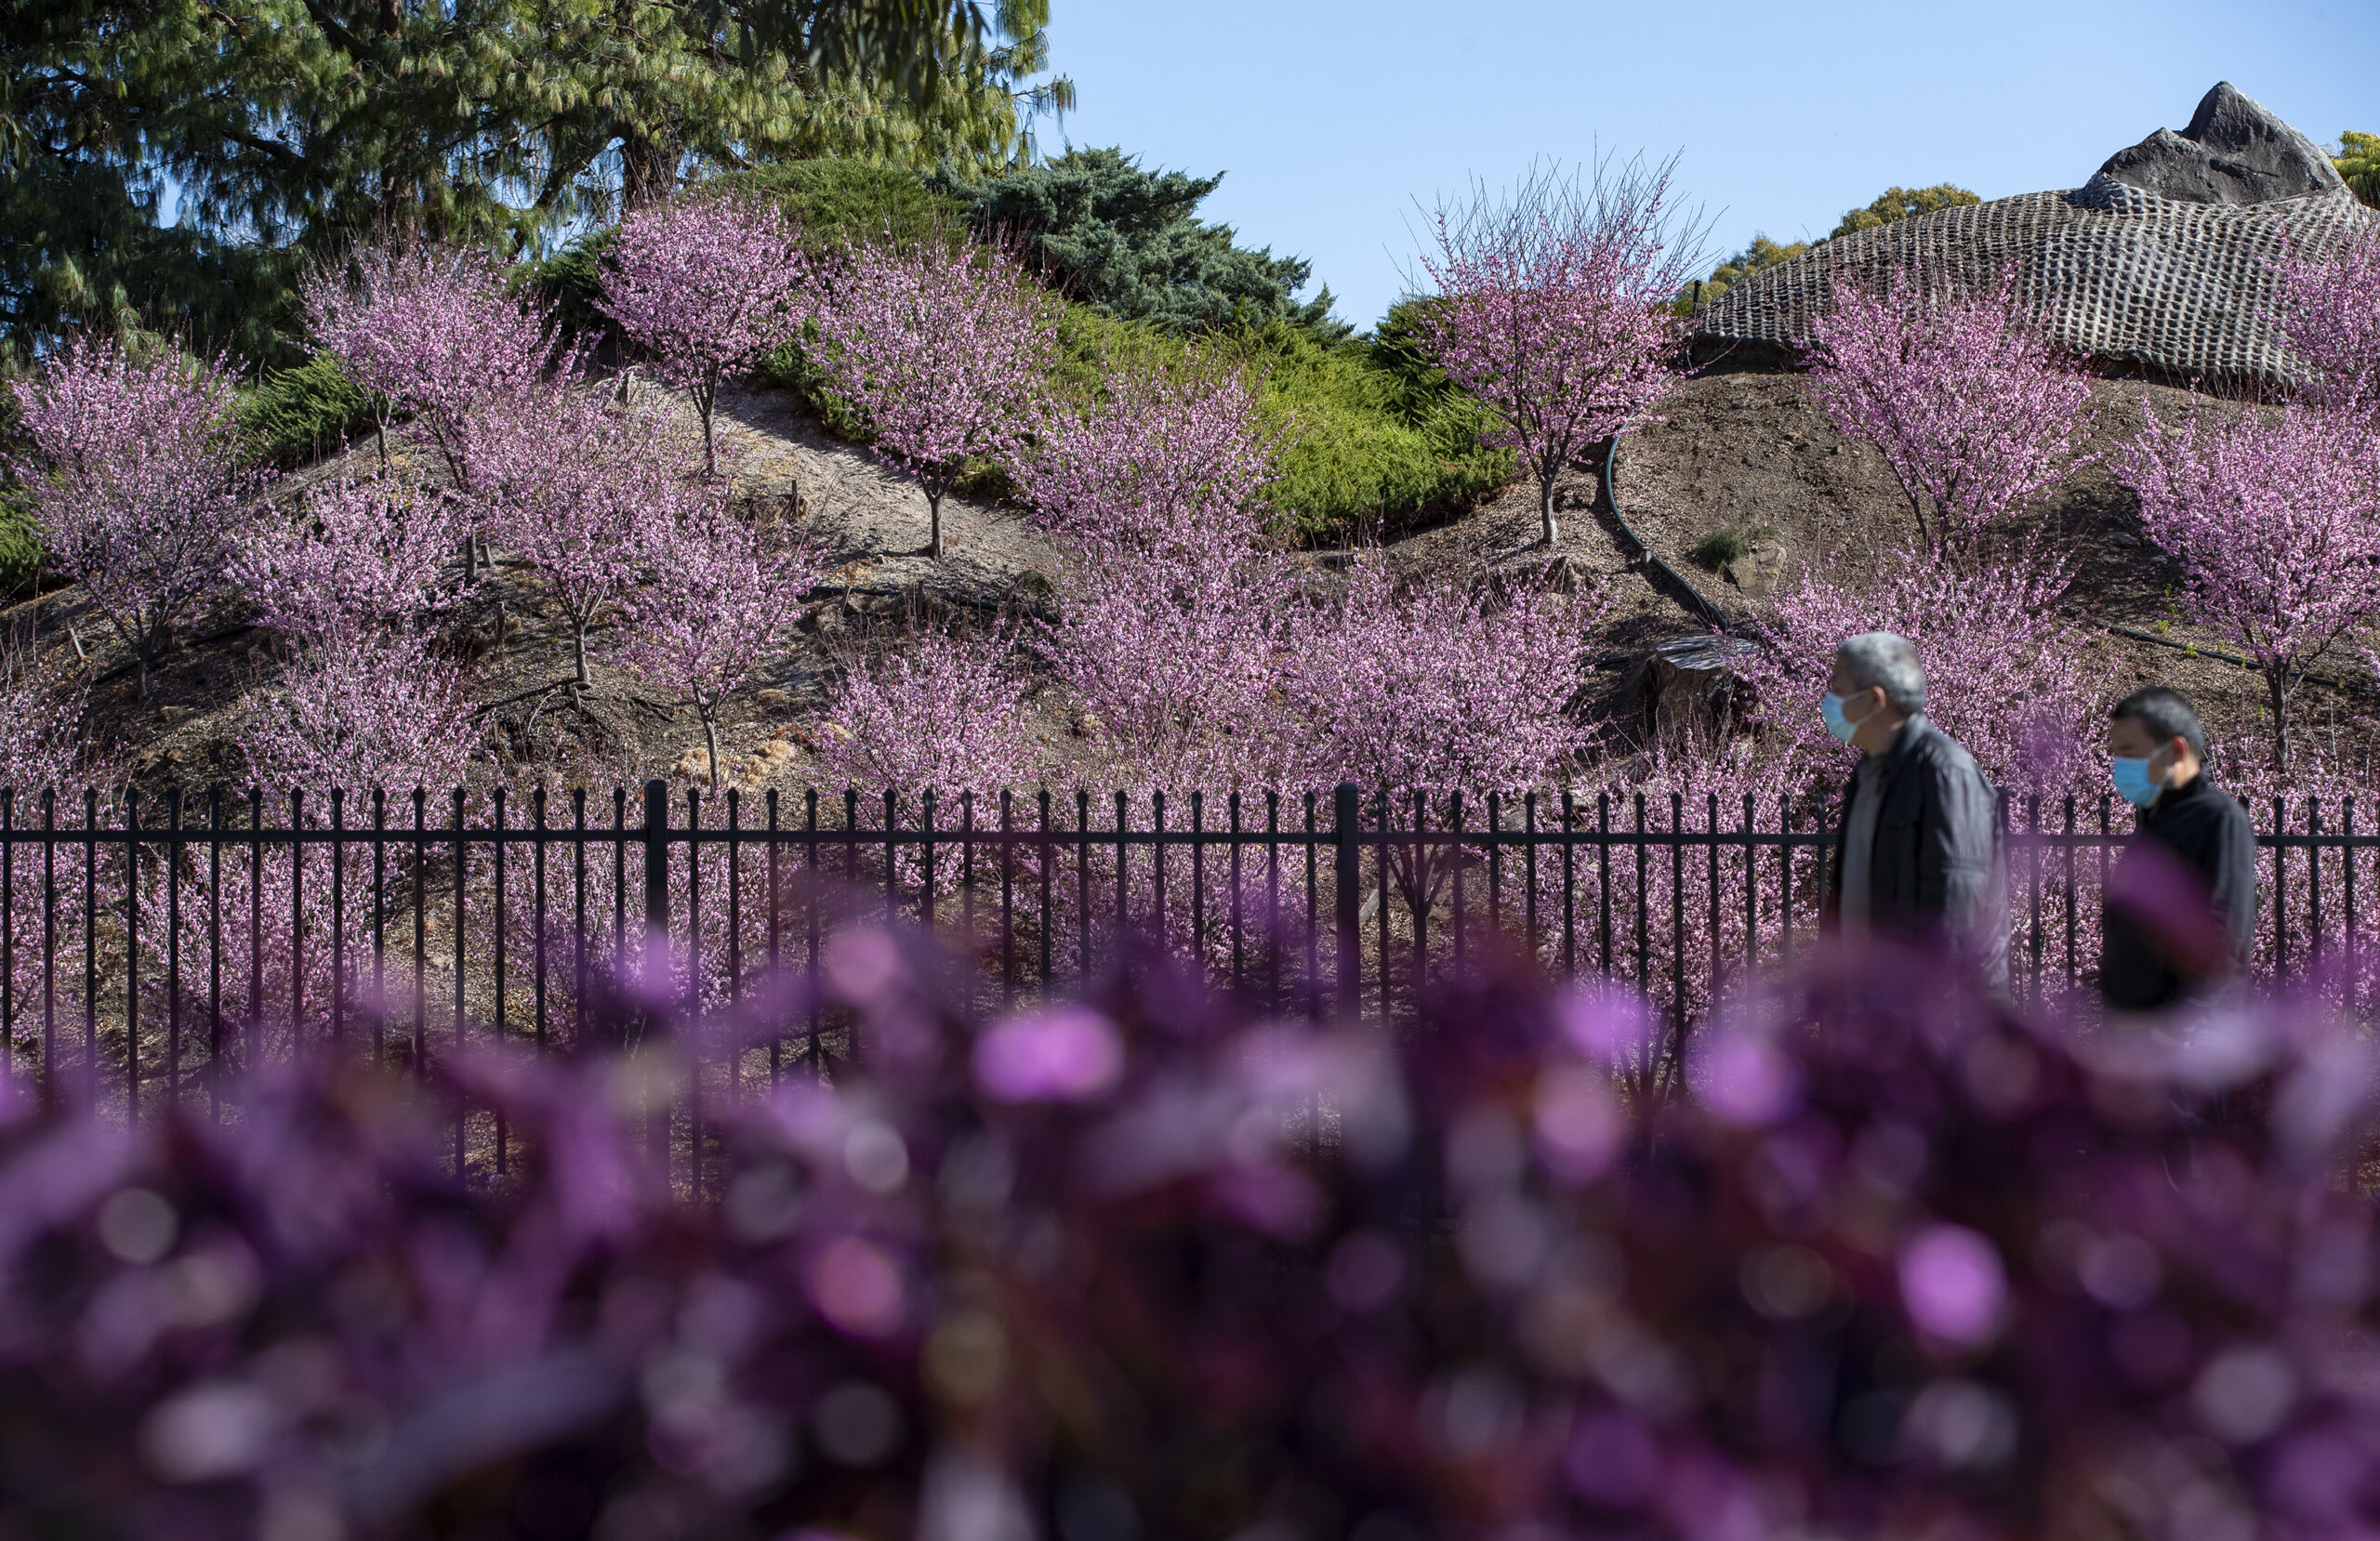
[1893, 1262]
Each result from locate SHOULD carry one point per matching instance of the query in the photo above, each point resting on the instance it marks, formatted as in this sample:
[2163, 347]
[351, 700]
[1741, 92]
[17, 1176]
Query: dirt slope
[1746, 450]
[1730, 450]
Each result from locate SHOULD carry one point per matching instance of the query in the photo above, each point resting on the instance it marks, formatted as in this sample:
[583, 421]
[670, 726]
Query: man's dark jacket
[1935, 869]
[2207, 832]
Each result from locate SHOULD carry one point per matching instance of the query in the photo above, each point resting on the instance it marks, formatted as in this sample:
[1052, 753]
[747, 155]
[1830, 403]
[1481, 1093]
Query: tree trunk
[1545, 474]
[648, 167]
[933, 509]
[578, 643]
[707, 397]
[2277, 689]
[710, 736]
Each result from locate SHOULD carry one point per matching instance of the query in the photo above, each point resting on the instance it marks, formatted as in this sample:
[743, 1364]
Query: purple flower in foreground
[1890, 1270]
[1953, 1284]
[1069, 1055]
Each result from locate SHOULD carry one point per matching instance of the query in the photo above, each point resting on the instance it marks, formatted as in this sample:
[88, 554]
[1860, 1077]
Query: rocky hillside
[1742, 451]
[1733, 452]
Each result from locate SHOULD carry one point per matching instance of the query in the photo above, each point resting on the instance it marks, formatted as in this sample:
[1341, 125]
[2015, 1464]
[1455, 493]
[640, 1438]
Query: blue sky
[1332, 117]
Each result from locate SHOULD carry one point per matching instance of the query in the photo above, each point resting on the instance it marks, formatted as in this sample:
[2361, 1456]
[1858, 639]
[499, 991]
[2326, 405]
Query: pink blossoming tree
[943, 348]
[583, 496]
[136, 482]
[2330, 313]
[705, 284]
[362, 557]
[2275, 520]
[946, 712]
[2008, 675]
[436, 333]
[360, 711]
[1161, 449]
[714, 597]
[1175, 652]
[1436, 686]
[1553, 308]
[1441, 684]
[1973, 408]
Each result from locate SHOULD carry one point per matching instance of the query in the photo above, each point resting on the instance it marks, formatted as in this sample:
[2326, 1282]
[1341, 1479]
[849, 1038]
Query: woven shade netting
[2117, 274]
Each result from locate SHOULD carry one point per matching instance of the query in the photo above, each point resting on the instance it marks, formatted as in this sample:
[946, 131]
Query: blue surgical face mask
[1831, 708]
[2132, 782]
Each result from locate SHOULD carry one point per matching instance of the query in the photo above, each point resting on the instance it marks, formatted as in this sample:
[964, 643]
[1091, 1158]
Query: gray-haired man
[1918, 851]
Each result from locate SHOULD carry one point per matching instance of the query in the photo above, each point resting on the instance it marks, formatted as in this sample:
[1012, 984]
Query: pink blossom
[1176, 655]
[2275, 520]
[435, 330]
[943, 348]
[1953, 1284]
[1553, 308]
[360, 711]
[945, 713]
[2330, 313]
[1441, 684]
[705, 283]
[364, 554]
[2008, 675]
[714, 596]
[1163, 452]
[135, 482]
[1974, 409]
[584, 491]
[1071, 1054]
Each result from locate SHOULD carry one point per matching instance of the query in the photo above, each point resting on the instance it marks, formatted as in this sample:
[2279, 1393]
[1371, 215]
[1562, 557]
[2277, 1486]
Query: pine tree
[289, 130]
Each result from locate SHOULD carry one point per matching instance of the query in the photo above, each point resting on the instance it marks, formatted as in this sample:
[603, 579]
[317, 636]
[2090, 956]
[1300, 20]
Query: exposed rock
[2164, 261]
[1756, 572]
[1690, 684]
[2234, 151]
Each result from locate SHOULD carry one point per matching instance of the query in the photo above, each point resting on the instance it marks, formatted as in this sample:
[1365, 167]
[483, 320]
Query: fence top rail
[1043, 817]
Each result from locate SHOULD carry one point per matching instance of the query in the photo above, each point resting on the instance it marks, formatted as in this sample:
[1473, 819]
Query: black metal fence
[146, 947]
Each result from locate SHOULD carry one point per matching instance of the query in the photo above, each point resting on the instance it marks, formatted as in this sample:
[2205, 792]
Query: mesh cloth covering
[2120, 275]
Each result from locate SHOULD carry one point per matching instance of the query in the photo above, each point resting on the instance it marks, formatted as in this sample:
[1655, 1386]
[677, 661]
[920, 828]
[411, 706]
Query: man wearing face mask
[2181, 906]
[1918, 851]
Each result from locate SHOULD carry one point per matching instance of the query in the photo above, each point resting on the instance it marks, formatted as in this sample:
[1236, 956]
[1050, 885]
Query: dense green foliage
[288, 130]
[19, 545]
[1371, 437]
[1372, 434]
[294, 415]
[2358, 163]
[1900, 203]
[836, 202]
[1128, 242]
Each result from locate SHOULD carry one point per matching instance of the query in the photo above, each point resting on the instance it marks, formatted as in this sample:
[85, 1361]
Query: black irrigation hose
[1646, 556]
[2359, 687]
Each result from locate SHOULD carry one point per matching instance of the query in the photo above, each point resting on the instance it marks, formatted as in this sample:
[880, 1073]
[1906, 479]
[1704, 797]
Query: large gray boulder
[2234, 151]
[2166, 262]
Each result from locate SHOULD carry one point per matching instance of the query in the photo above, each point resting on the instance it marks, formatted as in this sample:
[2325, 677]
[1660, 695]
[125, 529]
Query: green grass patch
[1731, 544]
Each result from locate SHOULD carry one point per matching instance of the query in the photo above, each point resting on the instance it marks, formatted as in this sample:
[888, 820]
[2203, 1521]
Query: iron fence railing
[148, 946]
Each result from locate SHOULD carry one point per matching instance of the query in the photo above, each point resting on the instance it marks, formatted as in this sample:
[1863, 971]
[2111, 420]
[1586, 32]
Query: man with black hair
[2181, 905]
